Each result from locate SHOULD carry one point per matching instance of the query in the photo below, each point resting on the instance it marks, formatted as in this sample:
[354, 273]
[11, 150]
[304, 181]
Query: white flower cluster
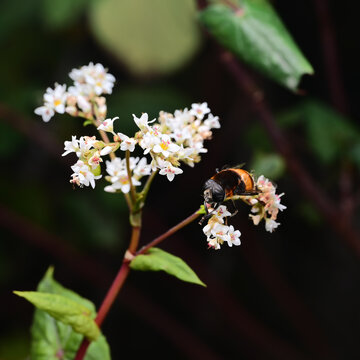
[89, 151]
[81, 99]
[266, 204]
[175, 138]
[217, 232]
[118, 175]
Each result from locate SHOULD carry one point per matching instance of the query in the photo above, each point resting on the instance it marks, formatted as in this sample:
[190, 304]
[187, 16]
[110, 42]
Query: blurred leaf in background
[331, 136]
[164, 34]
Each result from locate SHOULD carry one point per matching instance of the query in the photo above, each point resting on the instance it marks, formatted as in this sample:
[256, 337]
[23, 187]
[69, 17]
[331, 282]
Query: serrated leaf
[52, 338]
[256, 35]
[65, 310]
[159, 260]
[149, 37]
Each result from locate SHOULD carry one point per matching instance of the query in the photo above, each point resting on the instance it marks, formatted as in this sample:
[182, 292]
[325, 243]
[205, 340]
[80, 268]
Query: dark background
[286, 295]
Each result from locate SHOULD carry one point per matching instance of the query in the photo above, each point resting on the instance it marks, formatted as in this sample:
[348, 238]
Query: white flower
[93, 79]
[168, 169]
[222, 212]
[116, 168]
[199, 110]
[106, 150]
[219, 234]
[108, 125]
[83, 104]
[56, 98]
[45, 111]
[83, 175]
[122, 182]
[71, 146]
[212, 122]
[54, 101]
[143, 122]
[85, 144]
[149, 140]
[165, 146]
[233, 237]
[214, 242]
[142, 168]
[271, 225]
[127, 143]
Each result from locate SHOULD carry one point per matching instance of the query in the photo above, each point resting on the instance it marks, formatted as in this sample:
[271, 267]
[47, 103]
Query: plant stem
[170, 232]
[112, 292]
[132, 189]
[147, 185]
[124, 272]
[104, 136]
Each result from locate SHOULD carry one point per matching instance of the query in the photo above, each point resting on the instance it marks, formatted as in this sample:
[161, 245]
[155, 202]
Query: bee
[224, 185]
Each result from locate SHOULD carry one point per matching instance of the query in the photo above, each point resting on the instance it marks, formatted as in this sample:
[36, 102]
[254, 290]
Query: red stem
[124, 272]
[168, 233]
[113, 292]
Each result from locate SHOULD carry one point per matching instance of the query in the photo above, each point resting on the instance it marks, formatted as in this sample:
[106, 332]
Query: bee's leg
[208, 214]
[234, 208]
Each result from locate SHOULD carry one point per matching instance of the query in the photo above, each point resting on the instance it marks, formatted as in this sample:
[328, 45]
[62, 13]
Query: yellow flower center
[57, 102]
[164, 145]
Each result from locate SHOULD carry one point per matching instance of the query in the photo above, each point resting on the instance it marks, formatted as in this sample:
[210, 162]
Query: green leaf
[65, 310]
[52, 338]
[255, 34]
[159, 260]
[330, 135]
[149, 37]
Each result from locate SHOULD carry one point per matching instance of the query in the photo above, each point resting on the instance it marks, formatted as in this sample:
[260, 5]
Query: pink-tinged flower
[127, 143]
[222, 212]
[83, 175]
[212, 122]
[108, 125]
[234, 236]
[271, 225]
[168, 169]
[266, 204]
[149, 140]
[199, 110]
[95, 160]
[46, 112]
[142, 168]
[166, 146]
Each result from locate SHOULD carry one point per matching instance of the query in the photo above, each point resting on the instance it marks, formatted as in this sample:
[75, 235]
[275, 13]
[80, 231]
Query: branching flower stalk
[170, 140]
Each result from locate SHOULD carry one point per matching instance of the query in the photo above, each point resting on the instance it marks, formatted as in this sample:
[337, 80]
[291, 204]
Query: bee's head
[213, 192]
